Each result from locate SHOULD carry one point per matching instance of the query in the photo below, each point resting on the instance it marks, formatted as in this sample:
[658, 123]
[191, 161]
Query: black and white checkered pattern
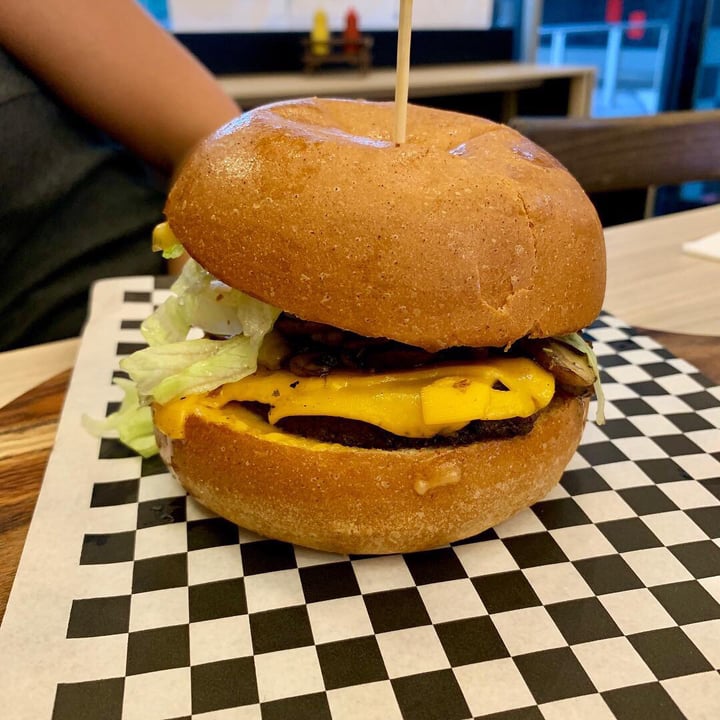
[601, 601]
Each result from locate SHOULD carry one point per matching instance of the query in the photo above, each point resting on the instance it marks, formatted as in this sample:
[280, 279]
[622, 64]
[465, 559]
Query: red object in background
[639, 17]
[613, 11]
[351, 35]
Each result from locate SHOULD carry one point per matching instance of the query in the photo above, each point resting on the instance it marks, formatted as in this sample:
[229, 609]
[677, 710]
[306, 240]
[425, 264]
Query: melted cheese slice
[413, 403]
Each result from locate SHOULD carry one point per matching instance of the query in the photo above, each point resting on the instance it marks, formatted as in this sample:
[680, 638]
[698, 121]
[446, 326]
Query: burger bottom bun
[357, 501]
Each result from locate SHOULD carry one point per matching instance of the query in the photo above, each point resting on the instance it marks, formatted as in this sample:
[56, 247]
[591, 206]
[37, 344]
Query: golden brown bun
[351, 500]
[468, 234]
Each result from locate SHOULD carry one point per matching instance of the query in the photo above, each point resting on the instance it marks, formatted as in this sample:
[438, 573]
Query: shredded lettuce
[167, 324]
[576, 341]
[200, 300]
[172, 365]
[132, 422]
[164, 372]
[174, 251]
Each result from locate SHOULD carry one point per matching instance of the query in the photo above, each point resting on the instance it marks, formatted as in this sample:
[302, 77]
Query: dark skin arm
[113, 64]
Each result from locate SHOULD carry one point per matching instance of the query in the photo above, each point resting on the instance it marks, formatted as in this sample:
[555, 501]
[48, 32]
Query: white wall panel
[296, 15]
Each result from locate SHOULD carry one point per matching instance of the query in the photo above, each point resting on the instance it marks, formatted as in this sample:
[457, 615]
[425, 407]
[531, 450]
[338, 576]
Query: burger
[373, 348]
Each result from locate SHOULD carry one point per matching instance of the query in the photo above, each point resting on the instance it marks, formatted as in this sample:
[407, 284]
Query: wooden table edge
[34, 414]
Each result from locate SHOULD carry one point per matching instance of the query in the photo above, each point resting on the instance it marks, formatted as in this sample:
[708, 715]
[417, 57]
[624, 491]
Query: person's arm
[110, 62]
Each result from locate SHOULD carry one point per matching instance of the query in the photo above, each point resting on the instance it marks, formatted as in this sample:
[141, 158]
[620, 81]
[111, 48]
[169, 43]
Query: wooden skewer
[402, 74]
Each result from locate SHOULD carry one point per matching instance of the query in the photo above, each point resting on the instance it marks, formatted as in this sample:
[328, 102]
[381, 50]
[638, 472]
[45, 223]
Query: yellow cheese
[163, 237]
[171, 419]
[414, 403]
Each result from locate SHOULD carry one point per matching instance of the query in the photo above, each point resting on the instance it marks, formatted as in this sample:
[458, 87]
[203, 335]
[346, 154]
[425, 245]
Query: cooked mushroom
[312, 364]
[570, 368]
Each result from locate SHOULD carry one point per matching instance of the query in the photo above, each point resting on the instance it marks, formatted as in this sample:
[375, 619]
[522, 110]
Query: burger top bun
[467, 234]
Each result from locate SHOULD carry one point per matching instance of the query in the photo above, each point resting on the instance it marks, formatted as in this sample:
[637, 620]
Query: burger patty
[355, 433]
[314, 349]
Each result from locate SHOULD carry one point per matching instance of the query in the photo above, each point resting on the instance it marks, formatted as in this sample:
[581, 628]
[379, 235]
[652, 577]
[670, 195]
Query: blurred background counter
[495, 58]
[502, 89]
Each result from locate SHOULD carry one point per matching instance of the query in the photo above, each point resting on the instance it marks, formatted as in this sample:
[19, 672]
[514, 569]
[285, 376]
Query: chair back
[624, 153]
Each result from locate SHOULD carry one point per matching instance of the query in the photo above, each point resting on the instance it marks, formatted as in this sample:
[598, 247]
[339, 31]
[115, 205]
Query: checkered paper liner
[603, 600]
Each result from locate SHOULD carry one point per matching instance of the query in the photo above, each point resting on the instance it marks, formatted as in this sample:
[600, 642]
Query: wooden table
[672, 296]
[651, 284]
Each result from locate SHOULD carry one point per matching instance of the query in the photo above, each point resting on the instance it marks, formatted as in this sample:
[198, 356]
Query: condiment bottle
[351, 35]
[320, 35]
